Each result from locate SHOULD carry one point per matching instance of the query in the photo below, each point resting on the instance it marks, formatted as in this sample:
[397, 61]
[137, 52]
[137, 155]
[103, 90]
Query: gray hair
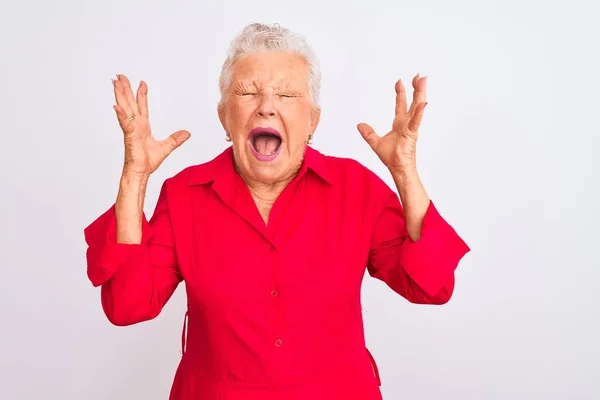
[255, 38]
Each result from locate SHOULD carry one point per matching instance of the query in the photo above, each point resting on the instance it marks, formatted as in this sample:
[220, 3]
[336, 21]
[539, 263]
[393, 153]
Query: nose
[266, 108]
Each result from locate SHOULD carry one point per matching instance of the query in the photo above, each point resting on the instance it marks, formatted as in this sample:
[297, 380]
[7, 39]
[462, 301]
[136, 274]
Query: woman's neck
[265, 195]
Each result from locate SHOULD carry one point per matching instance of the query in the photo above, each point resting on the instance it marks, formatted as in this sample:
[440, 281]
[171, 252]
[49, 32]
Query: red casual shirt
[274, 311]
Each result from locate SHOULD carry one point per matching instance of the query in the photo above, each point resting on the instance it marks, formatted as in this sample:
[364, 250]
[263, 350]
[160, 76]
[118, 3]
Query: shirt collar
[222, 165]
[317, 163]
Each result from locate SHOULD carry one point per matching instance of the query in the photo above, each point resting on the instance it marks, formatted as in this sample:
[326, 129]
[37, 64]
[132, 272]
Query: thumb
[368, 134]
[176, 139]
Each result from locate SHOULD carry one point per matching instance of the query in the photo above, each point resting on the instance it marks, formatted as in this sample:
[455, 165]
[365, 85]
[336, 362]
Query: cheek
[297, 124]
[295, 114]
[239, 115]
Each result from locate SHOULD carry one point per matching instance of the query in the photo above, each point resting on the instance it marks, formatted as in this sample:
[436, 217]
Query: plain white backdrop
[507, 151]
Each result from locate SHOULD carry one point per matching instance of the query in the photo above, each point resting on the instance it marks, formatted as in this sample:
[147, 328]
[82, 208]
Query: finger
[124, 121]
[142, 99]
[128, 93]
[175, 140]
[368, 134]
[419, 86]
[415, 121]
[400, 98]
[121, 98]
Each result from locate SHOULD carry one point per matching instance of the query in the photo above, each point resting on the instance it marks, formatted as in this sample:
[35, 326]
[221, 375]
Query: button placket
[275, 298]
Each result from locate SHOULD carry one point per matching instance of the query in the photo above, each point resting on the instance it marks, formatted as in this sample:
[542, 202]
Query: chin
[271, 172]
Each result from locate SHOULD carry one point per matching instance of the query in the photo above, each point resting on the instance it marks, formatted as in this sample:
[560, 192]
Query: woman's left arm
[414, 250]
[421, 270]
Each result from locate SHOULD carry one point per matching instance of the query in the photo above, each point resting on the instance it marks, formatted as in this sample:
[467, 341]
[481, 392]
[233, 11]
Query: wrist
[132, 190]
[133, 179]
[404, 172]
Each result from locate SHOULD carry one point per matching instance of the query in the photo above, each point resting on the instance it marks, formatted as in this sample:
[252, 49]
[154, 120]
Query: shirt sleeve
[421, 271]
[136, 280]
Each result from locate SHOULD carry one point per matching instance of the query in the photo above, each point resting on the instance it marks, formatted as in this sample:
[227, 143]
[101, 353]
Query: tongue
[266, 145]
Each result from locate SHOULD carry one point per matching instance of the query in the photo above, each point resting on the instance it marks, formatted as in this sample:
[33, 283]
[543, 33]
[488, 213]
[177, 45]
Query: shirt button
[274, 293]
[278, 343]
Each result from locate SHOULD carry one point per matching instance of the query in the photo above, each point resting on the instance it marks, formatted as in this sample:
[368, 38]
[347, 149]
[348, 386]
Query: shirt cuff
[104, 254]
[432, 260]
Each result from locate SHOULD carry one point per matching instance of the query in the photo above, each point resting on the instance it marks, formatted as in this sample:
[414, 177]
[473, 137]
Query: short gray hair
[255, 38]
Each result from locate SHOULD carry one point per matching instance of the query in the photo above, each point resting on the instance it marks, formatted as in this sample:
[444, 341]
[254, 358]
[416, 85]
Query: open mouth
[265, 143]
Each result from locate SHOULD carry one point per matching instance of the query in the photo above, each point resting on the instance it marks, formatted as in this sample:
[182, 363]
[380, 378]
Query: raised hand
[143, 153]
[397, 149]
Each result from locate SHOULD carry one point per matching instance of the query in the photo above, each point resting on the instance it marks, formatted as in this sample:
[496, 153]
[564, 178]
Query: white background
[507, 152]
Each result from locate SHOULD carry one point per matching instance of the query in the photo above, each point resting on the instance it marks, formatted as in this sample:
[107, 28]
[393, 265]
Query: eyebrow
[244, 85]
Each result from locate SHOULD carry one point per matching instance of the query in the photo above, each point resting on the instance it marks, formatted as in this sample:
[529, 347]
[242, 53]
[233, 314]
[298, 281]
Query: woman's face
[268, 113]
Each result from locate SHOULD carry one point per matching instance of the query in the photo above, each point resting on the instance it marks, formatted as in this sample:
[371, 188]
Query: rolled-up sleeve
[136, 279]
[421, 271]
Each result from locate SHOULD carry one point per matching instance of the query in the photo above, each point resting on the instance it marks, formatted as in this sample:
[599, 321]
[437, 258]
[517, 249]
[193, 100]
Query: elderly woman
[271, 237]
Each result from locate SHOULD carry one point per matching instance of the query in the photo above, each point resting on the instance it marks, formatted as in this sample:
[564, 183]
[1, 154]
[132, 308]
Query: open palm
[397, 149]
[143, 153]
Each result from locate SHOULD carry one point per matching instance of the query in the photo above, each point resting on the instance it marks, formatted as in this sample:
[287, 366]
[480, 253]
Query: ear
[315, 117]
[221, 112]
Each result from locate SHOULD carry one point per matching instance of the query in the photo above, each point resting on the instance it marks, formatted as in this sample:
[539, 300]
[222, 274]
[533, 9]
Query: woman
[271, 237]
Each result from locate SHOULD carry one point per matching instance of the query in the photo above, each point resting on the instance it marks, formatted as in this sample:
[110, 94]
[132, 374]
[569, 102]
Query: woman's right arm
[133, 259]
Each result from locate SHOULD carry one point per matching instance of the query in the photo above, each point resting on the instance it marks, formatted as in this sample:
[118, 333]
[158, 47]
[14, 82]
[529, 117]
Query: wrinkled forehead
[271, 70]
